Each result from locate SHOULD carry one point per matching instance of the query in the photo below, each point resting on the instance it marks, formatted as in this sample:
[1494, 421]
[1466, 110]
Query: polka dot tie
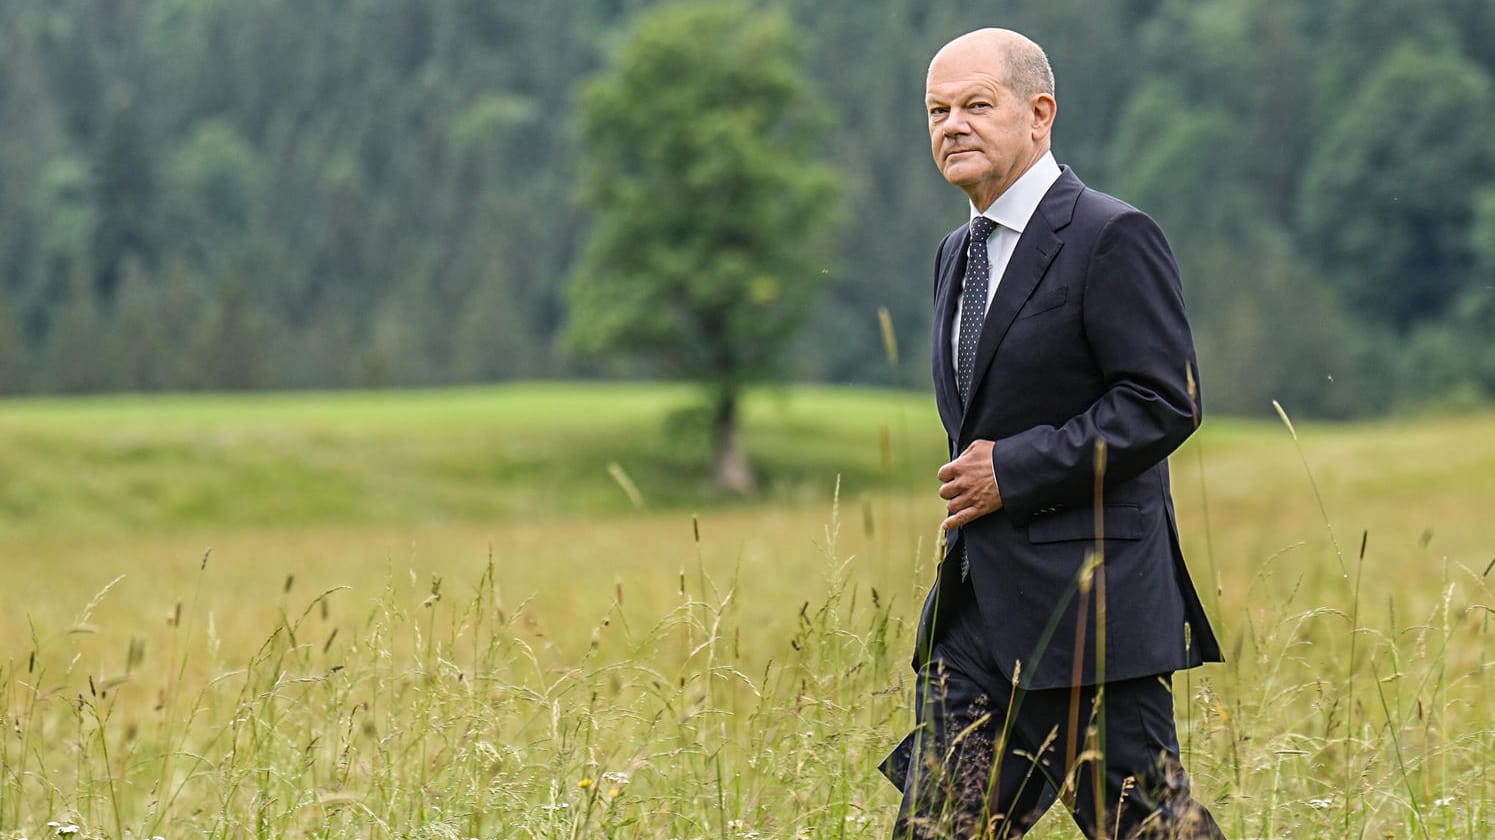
[972, 316]
[973, 303]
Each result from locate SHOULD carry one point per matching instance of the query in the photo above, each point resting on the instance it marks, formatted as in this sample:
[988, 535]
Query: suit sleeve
[940, 256]
[939, 263]
[1138, 334]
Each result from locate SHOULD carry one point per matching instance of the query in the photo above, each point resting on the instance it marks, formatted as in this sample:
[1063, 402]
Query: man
[1064, 373]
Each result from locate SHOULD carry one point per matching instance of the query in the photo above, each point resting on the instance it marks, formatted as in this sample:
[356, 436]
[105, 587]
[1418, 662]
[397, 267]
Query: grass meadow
[518, 613]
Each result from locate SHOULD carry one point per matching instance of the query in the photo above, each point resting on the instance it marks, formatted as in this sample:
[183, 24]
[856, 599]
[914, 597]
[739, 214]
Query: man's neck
[983, 197]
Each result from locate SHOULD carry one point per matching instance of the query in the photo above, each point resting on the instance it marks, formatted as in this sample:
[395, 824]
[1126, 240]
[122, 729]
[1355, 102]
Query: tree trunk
[729, 468]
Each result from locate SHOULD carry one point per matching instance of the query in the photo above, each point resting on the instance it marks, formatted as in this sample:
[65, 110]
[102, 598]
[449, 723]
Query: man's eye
[933, 112]
[979, 106]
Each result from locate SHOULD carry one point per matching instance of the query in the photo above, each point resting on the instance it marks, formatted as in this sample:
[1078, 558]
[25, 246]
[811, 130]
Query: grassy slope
[381, 492]
[148, 464]
[317, 484]
[152, 466]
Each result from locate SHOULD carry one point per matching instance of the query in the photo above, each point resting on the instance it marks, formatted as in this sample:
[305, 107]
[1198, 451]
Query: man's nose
[956, 124]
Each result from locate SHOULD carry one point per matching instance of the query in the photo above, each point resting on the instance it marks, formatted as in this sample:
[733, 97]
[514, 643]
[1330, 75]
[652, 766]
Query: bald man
[1065, 375]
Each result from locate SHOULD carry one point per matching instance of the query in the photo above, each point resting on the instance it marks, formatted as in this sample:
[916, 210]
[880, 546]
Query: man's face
[983, 136]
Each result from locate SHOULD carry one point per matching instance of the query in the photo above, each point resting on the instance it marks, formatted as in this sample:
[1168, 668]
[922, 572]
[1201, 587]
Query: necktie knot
[981, 227]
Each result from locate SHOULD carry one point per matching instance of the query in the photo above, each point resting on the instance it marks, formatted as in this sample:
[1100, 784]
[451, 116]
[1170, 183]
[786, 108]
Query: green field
[440, 614]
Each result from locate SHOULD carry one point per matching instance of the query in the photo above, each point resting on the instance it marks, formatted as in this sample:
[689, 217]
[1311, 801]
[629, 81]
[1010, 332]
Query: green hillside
[104, 464]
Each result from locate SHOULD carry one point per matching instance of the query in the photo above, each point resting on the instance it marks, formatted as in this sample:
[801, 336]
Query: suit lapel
[1031, 258]
[952, 269]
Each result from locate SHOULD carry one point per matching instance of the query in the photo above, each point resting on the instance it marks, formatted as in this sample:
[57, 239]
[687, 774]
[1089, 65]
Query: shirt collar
[1016, 206]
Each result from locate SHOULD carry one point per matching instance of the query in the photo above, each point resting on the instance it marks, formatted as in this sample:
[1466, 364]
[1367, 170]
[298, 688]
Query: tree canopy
[210, 194]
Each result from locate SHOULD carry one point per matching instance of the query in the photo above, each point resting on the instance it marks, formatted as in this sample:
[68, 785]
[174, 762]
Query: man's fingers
[958, 520]
[963, 511]
[946, 472]
[955, 497]
[966, 507]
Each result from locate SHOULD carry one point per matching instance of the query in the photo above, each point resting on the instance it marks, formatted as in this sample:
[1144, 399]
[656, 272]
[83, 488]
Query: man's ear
[1043, 109]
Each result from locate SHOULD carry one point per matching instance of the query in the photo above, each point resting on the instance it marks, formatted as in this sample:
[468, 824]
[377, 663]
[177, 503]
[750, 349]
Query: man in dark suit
[1065, 375]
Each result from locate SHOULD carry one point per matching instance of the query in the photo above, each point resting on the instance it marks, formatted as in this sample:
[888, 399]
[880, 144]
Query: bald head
[1016, 60]
[990, 99]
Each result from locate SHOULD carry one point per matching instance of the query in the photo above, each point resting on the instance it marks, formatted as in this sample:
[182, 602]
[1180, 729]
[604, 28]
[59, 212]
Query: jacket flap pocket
[1123, 522]
[1044, 301]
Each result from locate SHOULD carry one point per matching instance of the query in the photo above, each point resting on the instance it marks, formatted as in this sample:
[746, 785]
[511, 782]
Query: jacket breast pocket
[1046, 300]
[1122, 522]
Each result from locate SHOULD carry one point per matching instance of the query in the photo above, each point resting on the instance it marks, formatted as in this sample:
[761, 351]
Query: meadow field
[518, 612]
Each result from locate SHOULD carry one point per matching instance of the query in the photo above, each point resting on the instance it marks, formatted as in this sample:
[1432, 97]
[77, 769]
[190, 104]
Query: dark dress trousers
[1086, 340]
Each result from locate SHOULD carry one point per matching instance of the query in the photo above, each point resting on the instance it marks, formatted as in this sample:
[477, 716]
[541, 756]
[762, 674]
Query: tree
[1388, 195]
[711, 208]
[213, 184]
[14, 359]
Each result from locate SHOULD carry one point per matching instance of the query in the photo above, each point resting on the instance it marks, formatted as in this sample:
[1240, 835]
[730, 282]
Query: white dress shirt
[1011, 211]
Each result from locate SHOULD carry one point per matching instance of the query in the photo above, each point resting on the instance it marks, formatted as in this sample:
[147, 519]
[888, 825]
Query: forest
[285, 194]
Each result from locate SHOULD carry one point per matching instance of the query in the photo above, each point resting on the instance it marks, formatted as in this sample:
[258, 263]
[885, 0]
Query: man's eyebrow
[969, 92]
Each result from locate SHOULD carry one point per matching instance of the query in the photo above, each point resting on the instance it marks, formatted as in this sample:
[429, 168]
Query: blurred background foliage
[242, 194]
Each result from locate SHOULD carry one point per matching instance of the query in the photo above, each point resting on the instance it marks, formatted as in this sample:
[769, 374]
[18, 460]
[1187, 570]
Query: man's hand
[969, 486]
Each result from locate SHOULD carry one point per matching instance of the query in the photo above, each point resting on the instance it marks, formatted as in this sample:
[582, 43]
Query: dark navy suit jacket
[1086, 340]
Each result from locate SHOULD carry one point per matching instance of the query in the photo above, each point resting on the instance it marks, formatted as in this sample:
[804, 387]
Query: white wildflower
[1321, 804]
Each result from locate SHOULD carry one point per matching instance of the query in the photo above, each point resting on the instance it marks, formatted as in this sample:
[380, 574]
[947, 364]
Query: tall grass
[421, 712]
[446, 716]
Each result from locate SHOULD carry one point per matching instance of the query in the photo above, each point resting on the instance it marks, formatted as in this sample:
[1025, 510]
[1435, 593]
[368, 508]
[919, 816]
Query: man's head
[990, 99]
